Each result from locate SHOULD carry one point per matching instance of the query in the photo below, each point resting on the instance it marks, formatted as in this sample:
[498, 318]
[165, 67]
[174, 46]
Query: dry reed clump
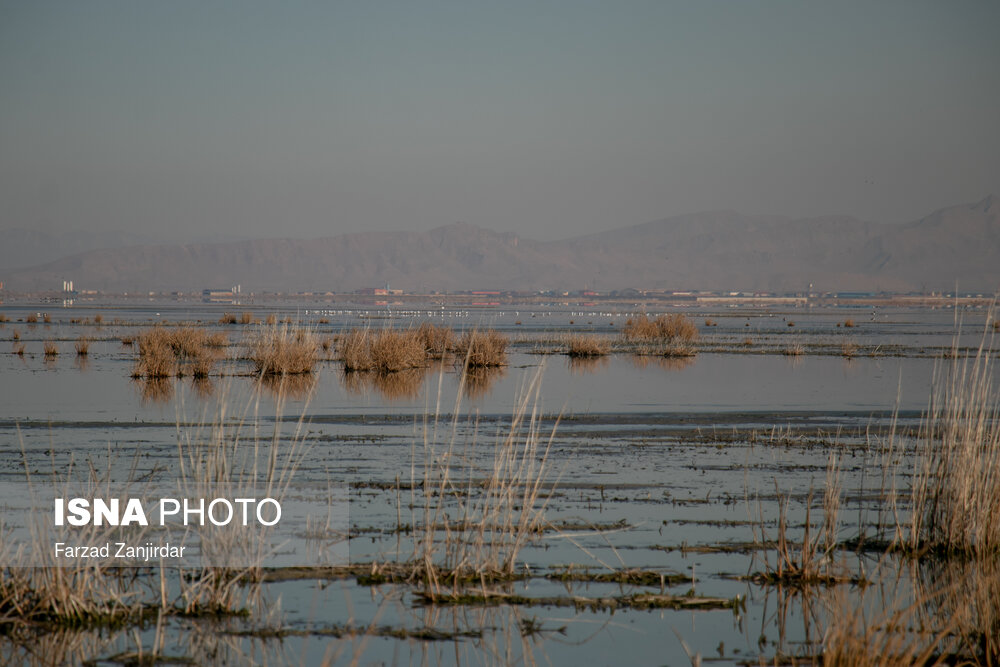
[383, 351]
[956, 489]
[271, 319]
[31, 319]
[98, 319]
[479, 349]
[849, 323]
[283, 350]
[246, 317]
[46, 318]
[82, 346]
[176, 352]
[438, 341]
[15, 335]
[217, 339]
[581, 345]
[675, 327]
[127, 341]
[795, 350]
[227, 318]
[849, 350]
[51, 349]
[19, 349]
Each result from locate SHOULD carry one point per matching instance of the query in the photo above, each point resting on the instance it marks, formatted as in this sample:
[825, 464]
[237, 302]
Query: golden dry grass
[383, 351]
[217, 339]
[956, 490]
[246, 317]
[479, 349]
[50, 348]
[849, 323]
[582, 345]
[31, 319]
[82, 346]
[675, 327]
[438, 341]
[283, 350]
[173, 352]
[227, 318]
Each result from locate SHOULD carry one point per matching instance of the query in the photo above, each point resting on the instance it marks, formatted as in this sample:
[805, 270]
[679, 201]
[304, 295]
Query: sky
[548, 119]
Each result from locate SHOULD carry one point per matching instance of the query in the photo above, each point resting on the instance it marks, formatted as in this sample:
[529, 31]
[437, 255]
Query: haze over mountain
[712, 251]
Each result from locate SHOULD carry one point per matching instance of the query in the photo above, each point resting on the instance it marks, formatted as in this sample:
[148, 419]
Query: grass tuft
[82, 346]
[671, 328]
[582, 345]
[383, 351]
[283, 350]
[482, 349]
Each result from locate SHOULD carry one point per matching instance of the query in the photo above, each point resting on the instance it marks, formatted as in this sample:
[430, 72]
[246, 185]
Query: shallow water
[656, 464]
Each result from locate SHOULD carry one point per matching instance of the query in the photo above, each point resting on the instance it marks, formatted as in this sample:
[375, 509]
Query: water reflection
[155, 390]
[586, 365]
[396, 386]
[295, 387]
[479, 381]
[203, 387]
[644, 361]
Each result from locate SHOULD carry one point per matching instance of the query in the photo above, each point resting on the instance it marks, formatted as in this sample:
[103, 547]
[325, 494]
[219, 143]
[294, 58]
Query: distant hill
[718, 250]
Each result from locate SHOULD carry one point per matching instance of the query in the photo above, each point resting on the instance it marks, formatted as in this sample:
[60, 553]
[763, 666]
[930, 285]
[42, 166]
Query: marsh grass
[382, 350]
[503, 506]
[282, 350]
[674, 327]
[246, 317]
[217, 339]
[582, 345]
[481, 349]
[810, 560]
[50, 349]
[168, 352]
[221, 457]
[438, 341]
[956, 488]
[82, 346]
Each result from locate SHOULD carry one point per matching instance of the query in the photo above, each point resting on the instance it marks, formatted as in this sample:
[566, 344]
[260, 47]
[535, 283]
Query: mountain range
[956, 246]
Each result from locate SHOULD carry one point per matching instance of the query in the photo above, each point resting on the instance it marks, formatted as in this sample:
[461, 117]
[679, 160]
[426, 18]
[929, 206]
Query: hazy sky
[548, 119]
